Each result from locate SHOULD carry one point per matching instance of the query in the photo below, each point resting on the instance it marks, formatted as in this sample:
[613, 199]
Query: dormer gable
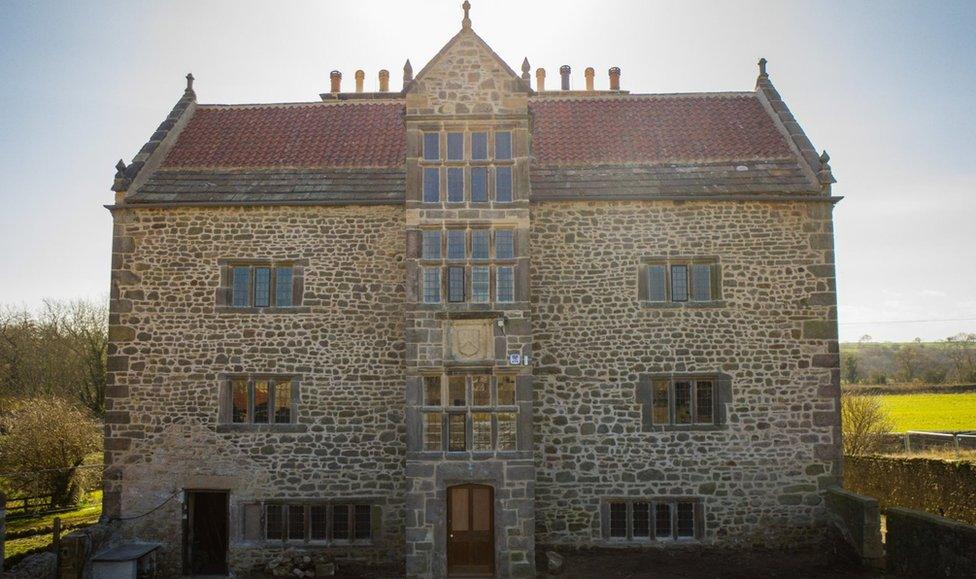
[467, 77]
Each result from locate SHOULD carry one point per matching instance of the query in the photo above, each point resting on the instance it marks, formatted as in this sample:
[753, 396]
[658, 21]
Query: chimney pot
[384, 80]
[360, 76]
[564, 71]
[589, 73]
[540, 79]
[336, 78]
[615, 78]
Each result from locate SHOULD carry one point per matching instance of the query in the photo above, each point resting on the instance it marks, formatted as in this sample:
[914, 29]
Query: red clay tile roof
[653, 130]
[306, 135]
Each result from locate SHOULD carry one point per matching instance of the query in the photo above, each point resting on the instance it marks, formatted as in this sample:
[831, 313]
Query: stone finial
[189, 82]
[466, 22]
[384, 80]
[589, 73]
[407, 72]
[762, 68]
[614, 73]
[564, 71]
[360, 77]
[120, 169]
[825, 174]
[540, 79]
[525, 70]
[336, 77]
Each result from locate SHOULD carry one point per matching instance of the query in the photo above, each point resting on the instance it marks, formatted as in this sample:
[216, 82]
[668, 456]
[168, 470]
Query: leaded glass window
[503, 145]
[479, 146]
[479, 184]
[506, 284]
[455, 185]
[503, 184]
[432, 185]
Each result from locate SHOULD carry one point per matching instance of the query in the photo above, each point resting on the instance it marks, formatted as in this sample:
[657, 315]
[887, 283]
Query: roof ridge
[555, 96]
[237, 106]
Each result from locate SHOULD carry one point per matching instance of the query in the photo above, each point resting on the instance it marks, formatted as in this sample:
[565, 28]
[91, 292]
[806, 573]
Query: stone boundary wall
[940, 487]
[924, 545]
[855, 524]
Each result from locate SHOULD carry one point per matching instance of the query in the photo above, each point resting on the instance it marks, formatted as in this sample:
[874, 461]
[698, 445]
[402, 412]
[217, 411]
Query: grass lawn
[33, 534]
[931, 411]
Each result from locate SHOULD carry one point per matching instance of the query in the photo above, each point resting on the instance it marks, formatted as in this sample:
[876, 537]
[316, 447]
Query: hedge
[941, 487]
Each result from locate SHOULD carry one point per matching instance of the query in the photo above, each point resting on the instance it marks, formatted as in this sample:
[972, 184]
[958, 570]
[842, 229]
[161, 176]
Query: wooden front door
[205, 529]
[470, 530]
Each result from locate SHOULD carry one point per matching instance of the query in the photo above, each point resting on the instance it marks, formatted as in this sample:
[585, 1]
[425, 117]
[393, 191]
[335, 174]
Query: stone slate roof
[583, 147]
[274, 186]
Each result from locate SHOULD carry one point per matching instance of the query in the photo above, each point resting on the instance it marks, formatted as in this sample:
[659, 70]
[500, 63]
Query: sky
[887, 87]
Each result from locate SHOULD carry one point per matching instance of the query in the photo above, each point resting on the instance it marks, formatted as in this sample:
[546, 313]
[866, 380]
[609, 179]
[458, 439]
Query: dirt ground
[707, 563]
[667, 563]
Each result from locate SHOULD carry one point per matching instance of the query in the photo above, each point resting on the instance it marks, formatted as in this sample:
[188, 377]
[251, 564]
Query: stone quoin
[447, 326]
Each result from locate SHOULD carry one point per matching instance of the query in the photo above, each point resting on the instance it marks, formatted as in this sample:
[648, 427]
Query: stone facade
[170, 346]
[760, 478]
[541, 389]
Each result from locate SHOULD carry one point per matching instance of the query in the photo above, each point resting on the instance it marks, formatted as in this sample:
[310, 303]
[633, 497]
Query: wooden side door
[470, 530]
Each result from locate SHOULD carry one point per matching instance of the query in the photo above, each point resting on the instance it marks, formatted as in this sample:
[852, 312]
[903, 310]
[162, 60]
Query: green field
[33, 534]
[931, 411]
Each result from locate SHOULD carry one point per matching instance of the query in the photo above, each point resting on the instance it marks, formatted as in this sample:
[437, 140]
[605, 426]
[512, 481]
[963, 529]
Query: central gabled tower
[470, 470]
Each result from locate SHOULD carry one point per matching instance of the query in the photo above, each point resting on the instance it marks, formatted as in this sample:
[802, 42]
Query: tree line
[52, 397]
[951, 361]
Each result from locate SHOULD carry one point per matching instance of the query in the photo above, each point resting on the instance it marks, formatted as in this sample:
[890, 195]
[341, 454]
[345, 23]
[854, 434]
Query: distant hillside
[951, 361]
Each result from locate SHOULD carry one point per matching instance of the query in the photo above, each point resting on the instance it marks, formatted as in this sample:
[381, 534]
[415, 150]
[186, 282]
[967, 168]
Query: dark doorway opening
[470, 530]
[205, 532]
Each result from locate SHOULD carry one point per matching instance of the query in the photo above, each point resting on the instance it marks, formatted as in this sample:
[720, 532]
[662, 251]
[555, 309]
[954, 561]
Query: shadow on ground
[711, 563]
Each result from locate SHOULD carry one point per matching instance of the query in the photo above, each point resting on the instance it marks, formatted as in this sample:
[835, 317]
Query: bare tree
[962, 354]
[45, 441]
[61, 350]
[865, 423]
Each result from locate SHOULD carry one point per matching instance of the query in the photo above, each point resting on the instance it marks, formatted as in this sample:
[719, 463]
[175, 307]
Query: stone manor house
[488, 314]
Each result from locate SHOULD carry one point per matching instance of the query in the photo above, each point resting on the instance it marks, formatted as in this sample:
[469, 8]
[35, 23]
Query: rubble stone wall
[169, 346]
[761, 477]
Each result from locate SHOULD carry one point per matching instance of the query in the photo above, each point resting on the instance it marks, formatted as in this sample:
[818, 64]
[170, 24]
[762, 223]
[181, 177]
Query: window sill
[305, 544]
[687, 428]
[678, 305]
[624, 542]
[272, 310]
[270, 428]
[461, 455]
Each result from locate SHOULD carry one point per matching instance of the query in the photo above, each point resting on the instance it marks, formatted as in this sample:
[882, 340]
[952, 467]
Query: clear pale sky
[888, 88]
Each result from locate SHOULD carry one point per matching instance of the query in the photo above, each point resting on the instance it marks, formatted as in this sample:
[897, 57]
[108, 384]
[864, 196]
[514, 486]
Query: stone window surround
[445, 409]
[721, 394]
[415, 420]
[699, 532]
[443, 163]
[643, 291]
[225, 404]
[493, 263]
[376, 518]
[224, 293]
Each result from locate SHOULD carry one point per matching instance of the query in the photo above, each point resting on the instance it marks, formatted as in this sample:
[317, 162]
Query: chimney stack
[384, 80]
[615, 78]
[336, 78]
[540, 79]
[360, 76]
[589, 73]
[564, 71]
